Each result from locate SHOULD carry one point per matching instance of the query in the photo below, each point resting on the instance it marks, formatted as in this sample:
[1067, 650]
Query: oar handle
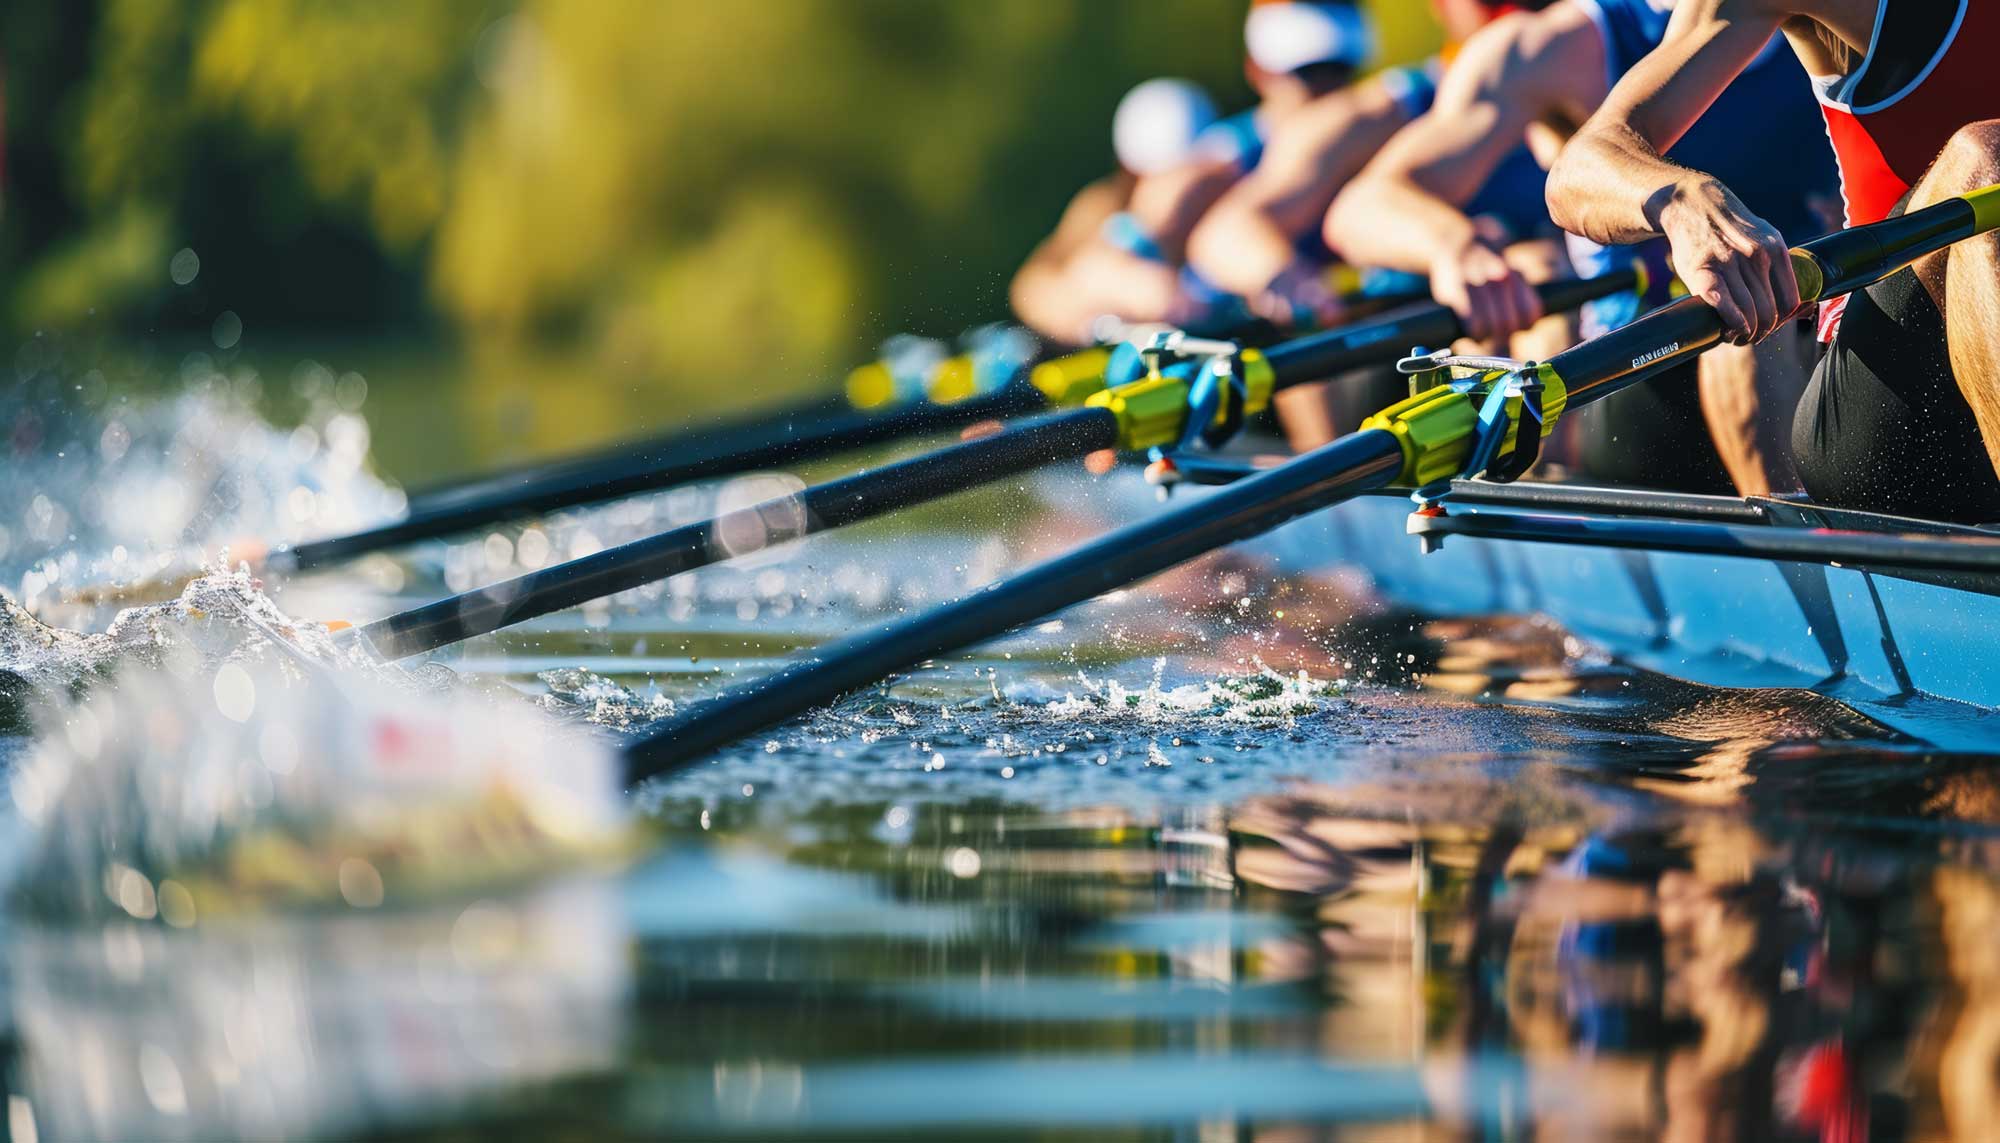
[1826, 268]
[1850, 259]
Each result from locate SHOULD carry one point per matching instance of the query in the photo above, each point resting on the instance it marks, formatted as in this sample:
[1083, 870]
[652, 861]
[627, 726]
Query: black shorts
[1882, 426]
[1653, 435]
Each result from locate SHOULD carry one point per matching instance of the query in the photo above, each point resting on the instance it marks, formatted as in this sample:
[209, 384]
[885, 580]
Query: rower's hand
[1493, 299]
[1731, 259]
[1299, 298]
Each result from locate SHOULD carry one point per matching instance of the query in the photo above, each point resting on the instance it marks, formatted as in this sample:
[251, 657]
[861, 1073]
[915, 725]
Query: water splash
[1261, 698]
[108, 488]
[1082, 739]
[222, 617]
[185, 793]
[595, 699]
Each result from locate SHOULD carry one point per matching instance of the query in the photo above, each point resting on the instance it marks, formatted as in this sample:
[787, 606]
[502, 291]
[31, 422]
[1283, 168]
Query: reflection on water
[1577, 901]
[1518, 954]
[1264, 864]
[312, 1025]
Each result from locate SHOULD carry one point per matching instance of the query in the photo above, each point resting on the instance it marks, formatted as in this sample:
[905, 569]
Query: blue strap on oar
[1216, 399]
[1528, 437]
[909, 361]
[1216, 389]
[1126, 365]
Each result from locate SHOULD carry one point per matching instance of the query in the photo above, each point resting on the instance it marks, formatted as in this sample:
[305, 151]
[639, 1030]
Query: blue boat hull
[1918, 657]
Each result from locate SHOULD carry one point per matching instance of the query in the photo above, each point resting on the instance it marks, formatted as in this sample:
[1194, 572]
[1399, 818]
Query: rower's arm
[1251, 236]
[1405, 210]
[1169, 204]
[1611, 183]
[1045, 293]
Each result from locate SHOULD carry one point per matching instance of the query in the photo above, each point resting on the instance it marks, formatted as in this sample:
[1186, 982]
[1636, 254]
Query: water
[1241, 855]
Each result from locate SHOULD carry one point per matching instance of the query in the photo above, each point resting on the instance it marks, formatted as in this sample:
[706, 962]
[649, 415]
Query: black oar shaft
[1324, 476]
[715, 438]
[1322, 355]
[864, 495]
[675, 461]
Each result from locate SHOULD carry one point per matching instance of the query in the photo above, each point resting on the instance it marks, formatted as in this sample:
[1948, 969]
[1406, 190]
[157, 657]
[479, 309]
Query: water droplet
[235, 693]
[964, 862]
[227, 330]
[184, 266]
[360, 883]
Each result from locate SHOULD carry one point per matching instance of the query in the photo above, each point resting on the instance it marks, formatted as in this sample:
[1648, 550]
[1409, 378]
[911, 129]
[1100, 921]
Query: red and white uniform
[1884, 147]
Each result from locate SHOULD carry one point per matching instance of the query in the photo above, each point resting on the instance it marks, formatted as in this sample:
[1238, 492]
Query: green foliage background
[672, 192]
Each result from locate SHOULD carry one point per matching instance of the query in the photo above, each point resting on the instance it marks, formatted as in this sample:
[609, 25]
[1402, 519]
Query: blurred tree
[798, 177]
[692, 191]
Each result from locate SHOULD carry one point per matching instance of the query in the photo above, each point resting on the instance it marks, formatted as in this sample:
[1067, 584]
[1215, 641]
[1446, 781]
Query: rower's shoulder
[1524, 51]
[1752, 9]
[1328, 118]
[1765, 13]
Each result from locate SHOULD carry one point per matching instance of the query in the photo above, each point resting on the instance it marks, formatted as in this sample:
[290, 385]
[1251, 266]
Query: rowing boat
[1893, 617]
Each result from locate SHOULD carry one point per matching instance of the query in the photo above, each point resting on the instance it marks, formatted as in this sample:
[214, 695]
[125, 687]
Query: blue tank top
[1763, 137]
[1515, 195]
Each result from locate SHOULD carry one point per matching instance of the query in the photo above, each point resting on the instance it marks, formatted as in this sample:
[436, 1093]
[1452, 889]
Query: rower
[1262, 239]
[1538, 75]
[1903, 411]
[1127, 261]
[1076, 274]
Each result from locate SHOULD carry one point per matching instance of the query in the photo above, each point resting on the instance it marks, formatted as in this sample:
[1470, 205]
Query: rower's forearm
[1609, 185]
[1110, 281]
[1397, 225]
[1239, 250]
[1044, 304]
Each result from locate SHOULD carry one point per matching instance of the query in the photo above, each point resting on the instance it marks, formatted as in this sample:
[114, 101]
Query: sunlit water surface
[1235, 856]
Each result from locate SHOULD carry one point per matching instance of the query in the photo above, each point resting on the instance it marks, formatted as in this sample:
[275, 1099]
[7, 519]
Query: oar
[953, 401]
[1138, 416]
[1415, 442]
[957, 392]
[664, 463]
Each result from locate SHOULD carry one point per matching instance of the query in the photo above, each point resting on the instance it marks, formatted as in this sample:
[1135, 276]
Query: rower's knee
[1969, 161]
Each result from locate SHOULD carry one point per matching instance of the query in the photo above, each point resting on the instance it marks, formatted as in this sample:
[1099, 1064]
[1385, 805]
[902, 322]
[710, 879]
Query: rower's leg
[1748, 396]
[1544, 261]
[1964, 279]
[1306, 412]
[1312, 415]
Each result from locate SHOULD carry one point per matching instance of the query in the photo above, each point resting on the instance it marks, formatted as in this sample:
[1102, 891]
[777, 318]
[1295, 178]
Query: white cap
[1156, 123]
[1283, 38]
